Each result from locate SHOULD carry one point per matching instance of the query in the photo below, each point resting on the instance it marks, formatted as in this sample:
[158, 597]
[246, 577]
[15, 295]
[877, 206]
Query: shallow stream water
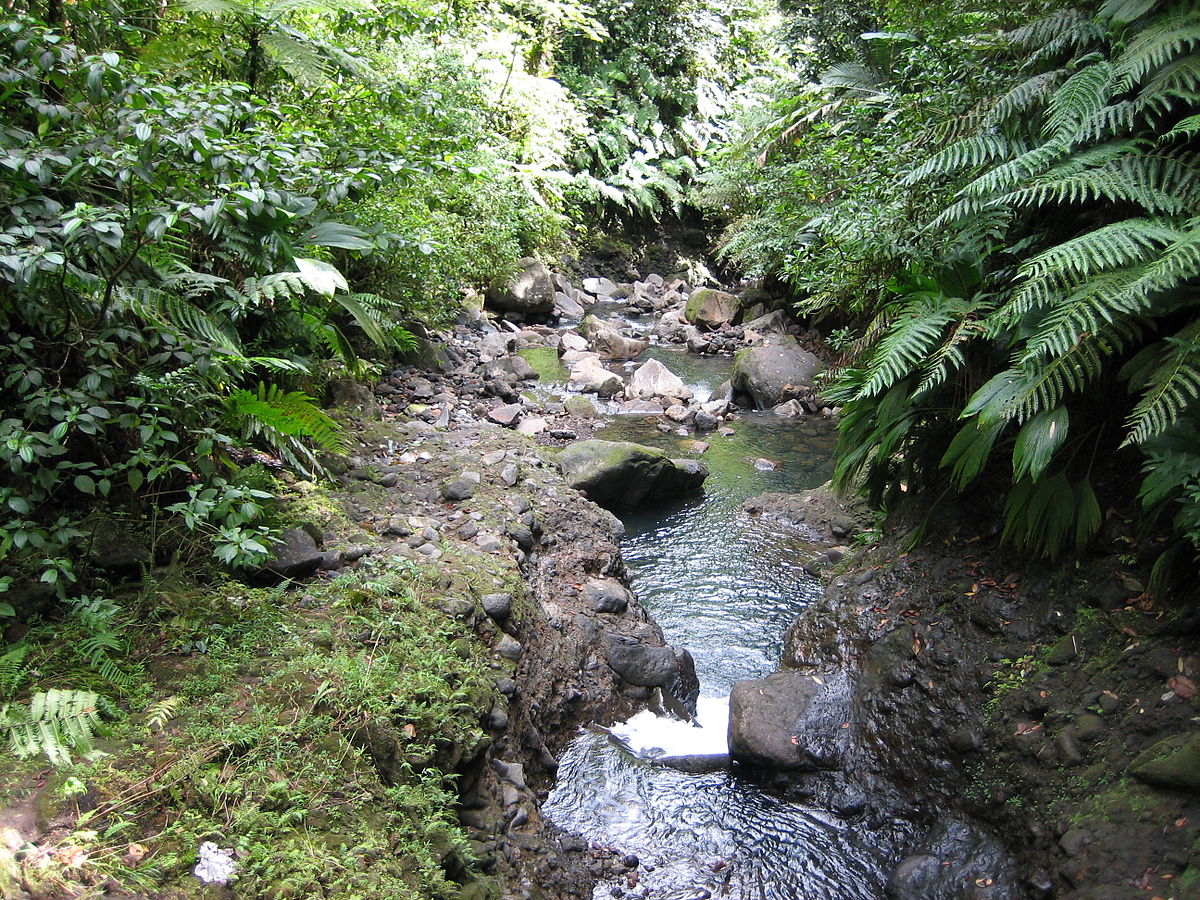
[724, 586]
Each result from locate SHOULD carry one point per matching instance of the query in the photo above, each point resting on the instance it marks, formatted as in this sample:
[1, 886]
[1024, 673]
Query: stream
[724, 586]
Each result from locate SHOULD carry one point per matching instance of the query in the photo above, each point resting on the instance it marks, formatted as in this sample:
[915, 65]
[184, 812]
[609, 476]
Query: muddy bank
[1036, 723]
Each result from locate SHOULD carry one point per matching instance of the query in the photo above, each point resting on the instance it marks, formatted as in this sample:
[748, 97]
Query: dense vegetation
[1003, 222]
[211, 209]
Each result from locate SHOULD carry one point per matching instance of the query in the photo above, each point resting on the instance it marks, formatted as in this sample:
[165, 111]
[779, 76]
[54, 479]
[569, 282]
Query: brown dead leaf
[1110, 695]
[1182, 686]
[409, 731]
[796, 740]
[1180, 823]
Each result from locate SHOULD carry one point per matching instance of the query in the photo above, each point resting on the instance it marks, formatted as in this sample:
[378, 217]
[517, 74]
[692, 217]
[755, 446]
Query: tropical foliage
[1019, 262]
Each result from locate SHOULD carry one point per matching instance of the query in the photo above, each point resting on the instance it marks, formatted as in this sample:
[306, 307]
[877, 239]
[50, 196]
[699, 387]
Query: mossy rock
[1172, 763]
[621, 474]
[711, 308]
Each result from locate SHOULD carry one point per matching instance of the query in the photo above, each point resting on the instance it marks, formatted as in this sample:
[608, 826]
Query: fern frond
[1157, 45]
[1080, 97]
[948, 358]
[915, 331]
[1023, 99]
[1112, 121]
[292, 52]
[1121, 244]
[13, 669]
[57, 722]
[969, 153]
[1071, 23]
[1171, 388]
[1009, 175]
[174, 314]
[292, 413]
[1159, 185]
[1178, 81]
[158, 714]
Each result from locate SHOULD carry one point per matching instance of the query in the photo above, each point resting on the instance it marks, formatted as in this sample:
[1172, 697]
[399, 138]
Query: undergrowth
[314, 736]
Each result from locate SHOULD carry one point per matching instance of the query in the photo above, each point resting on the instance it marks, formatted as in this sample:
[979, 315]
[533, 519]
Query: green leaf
[336, 234]
[321, 276]
[19, 505]
[1122, 11]
[1038, 441]
[85, 484]
[7, 610]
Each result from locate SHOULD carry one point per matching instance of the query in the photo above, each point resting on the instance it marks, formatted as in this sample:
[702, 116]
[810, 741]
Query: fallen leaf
[1110, 694]
[409, 731]
[796, 740]
[1182, 686]
[1180, 823]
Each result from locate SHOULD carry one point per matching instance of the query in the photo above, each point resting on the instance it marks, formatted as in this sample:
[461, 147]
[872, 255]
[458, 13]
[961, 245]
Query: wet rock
[572, 341]
[955, 862]
[509, 647]
[608, 341]
[623, 474]
[696, 763]
[115, 550]
[774, 322]
[511, 367]
[648, 665]
[460, 488]
[775, 372]
[532, 426]
[641, 408]
[601, 287]
[531, 290]
[606, 595]
[653, 379]
[712, 308]
[763, 718]
[296, 555]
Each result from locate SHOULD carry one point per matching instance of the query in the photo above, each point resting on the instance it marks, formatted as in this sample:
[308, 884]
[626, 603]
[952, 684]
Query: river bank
[396, 721]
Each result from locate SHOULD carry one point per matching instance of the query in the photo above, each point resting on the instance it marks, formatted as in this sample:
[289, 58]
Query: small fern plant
[56, 722]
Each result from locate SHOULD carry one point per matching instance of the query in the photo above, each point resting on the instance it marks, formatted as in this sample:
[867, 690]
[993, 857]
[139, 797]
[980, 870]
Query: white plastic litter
[216, 866]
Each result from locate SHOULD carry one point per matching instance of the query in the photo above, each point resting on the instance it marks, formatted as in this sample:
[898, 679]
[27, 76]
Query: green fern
[13, 670]
[1170, 388]
[287, 421]
[56, 723]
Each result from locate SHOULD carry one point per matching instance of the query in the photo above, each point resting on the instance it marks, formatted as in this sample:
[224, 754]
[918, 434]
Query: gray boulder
[956, 861]
[649, 666]
[296, 555]
[608, 341]
[510, 367]
[653, 379]
[775, 322]
[531, 290]
[115, 550]
[621, 474]
[588, 376]
[789, 721]
[606, 596]
[711, 308]
[775, 372]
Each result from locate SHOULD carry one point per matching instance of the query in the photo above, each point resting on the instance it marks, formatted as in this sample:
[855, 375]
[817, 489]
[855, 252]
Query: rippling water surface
[724, 586]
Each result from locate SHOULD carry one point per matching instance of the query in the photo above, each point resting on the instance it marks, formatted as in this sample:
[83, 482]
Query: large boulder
[531, 290]
[711, 308]
[649, 666]
[588, 376]
[620, 474]
[294, 555]
[789, 721]
[956, 861]
[608, 341]
[653, 379]
[777, 371]
[1173, 763]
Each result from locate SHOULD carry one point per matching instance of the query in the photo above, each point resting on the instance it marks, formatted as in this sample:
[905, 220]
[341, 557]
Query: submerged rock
[622, 474]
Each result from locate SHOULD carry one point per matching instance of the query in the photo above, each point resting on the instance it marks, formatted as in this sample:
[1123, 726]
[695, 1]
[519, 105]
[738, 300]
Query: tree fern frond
[295, 56]
[1171, 388]
[1121, 244]
[914, 332]
[1159, 185]
[1157, 45]
[1179, 80]
[292, 413]
[1112, 121]
[948, 358]
[1081, 96]
[13, 669]
[158, 714]
[969, 153]
[1024, 98]
[1183, 128]
[1044, 383]
[1039, 33]
[1102, 309]
[189, 323]
[1008, 175]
